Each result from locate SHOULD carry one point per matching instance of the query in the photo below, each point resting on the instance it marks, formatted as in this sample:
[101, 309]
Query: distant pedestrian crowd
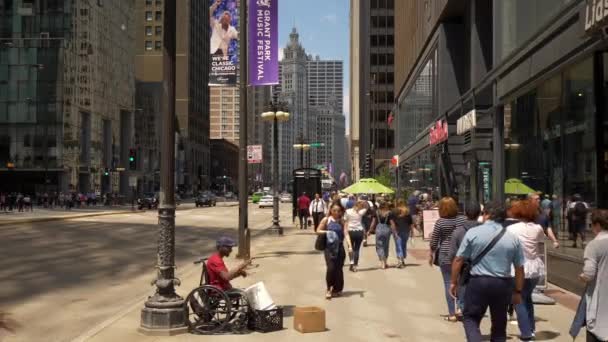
[24, 202]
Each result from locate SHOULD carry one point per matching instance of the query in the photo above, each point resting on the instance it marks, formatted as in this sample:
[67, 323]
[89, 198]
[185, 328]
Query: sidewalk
[392, 305]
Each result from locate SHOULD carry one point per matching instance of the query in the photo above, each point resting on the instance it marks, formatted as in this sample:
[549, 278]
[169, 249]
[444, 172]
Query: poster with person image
[224, 42]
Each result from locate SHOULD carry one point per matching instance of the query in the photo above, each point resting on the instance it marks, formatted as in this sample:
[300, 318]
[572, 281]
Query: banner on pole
[263, 42]
[224, 42]
[254, 154]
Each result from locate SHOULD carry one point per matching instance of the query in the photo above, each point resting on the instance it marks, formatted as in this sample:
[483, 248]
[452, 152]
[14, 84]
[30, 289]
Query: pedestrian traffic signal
[368, 164]
[106, 172]
[132, 157]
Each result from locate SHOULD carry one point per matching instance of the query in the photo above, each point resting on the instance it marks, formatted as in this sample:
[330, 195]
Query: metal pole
[164, 312]
[244, 251]
[275, 177]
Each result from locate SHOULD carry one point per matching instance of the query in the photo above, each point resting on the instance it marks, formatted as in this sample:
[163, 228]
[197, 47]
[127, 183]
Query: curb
[77, 216]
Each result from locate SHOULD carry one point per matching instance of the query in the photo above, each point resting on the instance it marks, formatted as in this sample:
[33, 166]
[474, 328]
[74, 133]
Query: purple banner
[263, 42]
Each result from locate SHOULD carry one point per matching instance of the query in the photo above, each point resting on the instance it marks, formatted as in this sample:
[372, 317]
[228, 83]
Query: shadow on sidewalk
[280, 254]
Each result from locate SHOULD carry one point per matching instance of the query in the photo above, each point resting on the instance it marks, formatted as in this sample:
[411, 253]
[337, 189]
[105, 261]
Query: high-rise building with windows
[191, 87]
[66, 94]
[372, 81]
[224, 111]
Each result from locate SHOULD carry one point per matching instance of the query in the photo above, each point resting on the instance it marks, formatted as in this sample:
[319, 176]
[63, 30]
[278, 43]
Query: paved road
[60, 278]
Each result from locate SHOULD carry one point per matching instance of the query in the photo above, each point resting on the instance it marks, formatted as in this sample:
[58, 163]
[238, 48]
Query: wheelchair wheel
[209, 310]
[240, 310]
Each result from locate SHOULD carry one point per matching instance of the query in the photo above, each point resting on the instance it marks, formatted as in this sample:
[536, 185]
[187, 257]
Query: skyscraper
[372, 81]
[192, 91]
[66, 98]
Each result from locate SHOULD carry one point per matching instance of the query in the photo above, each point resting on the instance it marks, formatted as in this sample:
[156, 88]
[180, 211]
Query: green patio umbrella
[368, 186]
[515, 186]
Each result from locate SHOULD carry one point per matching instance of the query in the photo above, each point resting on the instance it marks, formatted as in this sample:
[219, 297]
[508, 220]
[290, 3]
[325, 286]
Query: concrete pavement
[391, 305]
[61, 278]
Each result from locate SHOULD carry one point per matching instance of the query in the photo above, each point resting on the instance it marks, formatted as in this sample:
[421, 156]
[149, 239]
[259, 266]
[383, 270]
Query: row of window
[158, 2]
[383, 21]
[383, 4]
[158, 30]
[158, 16]
[382, 59]
[158, 45]
[382, 40]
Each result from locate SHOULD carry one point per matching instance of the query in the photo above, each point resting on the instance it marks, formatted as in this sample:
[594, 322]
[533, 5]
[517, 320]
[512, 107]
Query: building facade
[66, 94]
[521, 99]
[224, 165]
[372, 28]
[225, 113]
[191, 91]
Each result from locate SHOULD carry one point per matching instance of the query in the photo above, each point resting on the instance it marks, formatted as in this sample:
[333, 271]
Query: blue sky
[323, 29]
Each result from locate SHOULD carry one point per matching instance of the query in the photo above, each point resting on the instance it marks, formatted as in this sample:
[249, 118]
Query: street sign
[120, 169]
[254, 154]
[133, 181]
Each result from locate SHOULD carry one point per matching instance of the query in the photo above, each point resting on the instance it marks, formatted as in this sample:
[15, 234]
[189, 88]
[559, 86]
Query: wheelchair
[213, 311]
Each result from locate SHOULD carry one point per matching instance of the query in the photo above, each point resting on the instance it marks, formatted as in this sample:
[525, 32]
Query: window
[148, 2]
[159, 2]
[158, 45]
[148, 16]
[148, 45]
[148, 30]
[158, 30]
[159, 15]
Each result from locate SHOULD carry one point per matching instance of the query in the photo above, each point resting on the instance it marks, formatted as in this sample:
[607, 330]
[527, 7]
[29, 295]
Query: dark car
[205, 199]
[148, 200]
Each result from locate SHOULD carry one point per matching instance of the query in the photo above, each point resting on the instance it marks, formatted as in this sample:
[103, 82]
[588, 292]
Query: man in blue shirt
[491, 283]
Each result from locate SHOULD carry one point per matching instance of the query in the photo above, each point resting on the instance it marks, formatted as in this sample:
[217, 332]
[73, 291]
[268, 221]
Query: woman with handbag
[333, 229]
[440, 247]
[381, 224]
[356, 231]
[403, 222]
[530, 235]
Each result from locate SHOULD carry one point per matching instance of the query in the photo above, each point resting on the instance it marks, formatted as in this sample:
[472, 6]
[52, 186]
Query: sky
[323, 26]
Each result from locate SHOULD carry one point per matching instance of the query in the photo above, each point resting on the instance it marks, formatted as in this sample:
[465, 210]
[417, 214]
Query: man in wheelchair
[218, 273]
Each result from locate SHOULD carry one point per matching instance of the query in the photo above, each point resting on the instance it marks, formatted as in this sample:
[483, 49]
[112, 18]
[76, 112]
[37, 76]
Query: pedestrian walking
[472, 213]
[368, 218]
[530, 235]
[403, 222]
[28, 203]
[381, 225]
[543, 218]
[3, 201]
[303, 205]
[20, 202]
[336, 232]
[441, 238]
[356, 231]
[577, 215]
[595, 273]
[491, 251]
[317, 209]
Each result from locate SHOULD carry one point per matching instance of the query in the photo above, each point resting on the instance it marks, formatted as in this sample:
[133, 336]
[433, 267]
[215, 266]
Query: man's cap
[225, 241]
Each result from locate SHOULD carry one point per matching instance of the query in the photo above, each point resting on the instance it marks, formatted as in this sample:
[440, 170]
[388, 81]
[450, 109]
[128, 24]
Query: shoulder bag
[465, 272]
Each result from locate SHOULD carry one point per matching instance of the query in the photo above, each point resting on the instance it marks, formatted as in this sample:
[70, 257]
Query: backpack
[580, 210]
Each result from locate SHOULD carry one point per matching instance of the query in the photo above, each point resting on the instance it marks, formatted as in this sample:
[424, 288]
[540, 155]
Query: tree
[384, 177]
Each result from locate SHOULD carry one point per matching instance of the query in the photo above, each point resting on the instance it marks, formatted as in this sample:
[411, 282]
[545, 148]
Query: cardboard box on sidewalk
[309, 319]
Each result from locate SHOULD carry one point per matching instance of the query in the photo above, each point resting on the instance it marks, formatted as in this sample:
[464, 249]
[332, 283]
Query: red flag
[390, 119]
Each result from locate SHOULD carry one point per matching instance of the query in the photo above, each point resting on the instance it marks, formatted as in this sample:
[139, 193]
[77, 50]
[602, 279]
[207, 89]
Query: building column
[498, 154]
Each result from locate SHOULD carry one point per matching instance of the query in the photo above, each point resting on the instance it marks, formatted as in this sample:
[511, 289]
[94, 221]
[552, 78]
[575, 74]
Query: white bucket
[259, 298]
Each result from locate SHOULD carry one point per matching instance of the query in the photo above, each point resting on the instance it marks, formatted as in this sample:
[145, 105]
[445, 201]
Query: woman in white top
[530, 235]
[356, 231]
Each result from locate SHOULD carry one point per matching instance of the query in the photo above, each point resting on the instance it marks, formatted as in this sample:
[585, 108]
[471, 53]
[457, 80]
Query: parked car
[148, 200]
[205, 199]
[266, 201]
[285, 198]
[256, 197]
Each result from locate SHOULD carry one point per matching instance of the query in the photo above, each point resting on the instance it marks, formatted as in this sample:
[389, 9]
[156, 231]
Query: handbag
[465, 271]
[321, 242]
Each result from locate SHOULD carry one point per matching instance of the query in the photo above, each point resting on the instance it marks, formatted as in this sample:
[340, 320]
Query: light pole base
[276, 227]
[163, 318]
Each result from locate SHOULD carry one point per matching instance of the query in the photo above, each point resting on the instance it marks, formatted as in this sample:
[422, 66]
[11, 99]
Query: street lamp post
[163, 312]
[275, 115]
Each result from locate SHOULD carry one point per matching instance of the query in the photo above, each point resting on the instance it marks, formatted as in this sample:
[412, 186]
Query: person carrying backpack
[577, 215]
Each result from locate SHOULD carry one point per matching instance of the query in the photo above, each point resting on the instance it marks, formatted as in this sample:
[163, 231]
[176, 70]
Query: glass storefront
[517, 20]
[550, 135]
[416, 109]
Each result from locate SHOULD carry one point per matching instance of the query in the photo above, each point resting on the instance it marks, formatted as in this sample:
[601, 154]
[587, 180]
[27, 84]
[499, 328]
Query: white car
[285, 198]
[266, 201]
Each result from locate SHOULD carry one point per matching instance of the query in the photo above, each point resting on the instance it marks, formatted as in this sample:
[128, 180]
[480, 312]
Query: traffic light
[106, 172]
[368, 164]
[132, 159]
